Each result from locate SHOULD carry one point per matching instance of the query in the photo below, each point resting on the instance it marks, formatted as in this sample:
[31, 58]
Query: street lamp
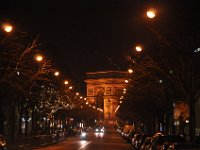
[56, 73]
[130, 70]
[126, 81]
[151, 13]
[66, 82]
[138, 48]
[7, 28]
[38, 57]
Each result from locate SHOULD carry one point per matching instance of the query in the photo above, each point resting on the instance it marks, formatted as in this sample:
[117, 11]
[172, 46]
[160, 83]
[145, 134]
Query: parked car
[185, 146]
[142, 139]
[146, 143]
[119, 130]
[126, 134]
[2, 143]
[126, 130]
[130, 135]
[135, 140]
[161, 141]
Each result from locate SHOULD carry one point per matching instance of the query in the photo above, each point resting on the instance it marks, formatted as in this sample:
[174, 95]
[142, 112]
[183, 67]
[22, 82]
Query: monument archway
[104, 89]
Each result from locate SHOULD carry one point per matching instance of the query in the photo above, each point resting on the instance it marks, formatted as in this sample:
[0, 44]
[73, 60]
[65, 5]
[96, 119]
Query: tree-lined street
[89, 64]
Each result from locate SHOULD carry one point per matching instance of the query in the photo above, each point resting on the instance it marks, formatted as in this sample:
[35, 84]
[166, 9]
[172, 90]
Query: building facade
[104, 89]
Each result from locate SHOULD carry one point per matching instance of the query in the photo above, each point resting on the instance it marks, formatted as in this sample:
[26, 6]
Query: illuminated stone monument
[104, 89]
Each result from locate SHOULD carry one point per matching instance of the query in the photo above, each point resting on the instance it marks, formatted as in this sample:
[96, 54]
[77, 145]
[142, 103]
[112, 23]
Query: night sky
[90, 35]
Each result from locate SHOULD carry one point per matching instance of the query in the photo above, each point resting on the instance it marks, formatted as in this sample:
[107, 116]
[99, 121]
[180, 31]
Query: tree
[173, 60]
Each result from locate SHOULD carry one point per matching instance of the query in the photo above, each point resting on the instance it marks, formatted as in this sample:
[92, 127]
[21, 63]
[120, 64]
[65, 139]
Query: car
[83, 135]
[143, 137]
[138, 139]
[2, 143]
[131, 134]
[183, 146]
[162, 141]
[146, 143]
[100, 130]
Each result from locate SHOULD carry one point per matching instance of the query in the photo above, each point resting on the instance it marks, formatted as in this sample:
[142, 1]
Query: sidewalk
[28, 143]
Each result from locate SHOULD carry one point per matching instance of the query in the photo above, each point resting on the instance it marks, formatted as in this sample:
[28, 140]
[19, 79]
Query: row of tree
[33, 100]
[166, 73]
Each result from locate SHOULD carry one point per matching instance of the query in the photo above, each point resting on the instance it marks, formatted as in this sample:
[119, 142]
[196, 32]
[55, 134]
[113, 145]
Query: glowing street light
[66, 82]
[39, 58]
[151, 14]
[126, 81]
[138, 48]
[56, 73]
[7, 28]
[130, 70]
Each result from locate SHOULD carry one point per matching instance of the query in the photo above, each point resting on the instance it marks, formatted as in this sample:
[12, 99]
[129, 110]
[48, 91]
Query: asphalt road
[110, 140]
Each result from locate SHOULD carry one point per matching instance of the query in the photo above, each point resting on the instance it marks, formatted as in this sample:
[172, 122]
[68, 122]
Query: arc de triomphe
[104, 89]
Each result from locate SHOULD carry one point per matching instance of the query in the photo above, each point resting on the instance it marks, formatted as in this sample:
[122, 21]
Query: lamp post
[39, 58]
[56, 73]
[66, 82]
[138, 48]
[151, 13]
[7, 28]
[130, 70]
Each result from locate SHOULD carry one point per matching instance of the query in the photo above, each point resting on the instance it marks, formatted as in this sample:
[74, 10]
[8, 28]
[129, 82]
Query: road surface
[110, 140]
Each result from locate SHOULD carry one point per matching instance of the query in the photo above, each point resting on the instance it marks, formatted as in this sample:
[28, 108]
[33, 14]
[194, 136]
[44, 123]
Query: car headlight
[83, 134]
[97, 130]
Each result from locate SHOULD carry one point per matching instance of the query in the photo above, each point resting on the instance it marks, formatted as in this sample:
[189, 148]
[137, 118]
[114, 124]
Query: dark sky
[80, 35]
[88, 35]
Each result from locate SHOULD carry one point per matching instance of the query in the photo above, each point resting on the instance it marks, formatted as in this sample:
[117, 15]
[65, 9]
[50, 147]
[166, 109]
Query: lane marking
[84, 145]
